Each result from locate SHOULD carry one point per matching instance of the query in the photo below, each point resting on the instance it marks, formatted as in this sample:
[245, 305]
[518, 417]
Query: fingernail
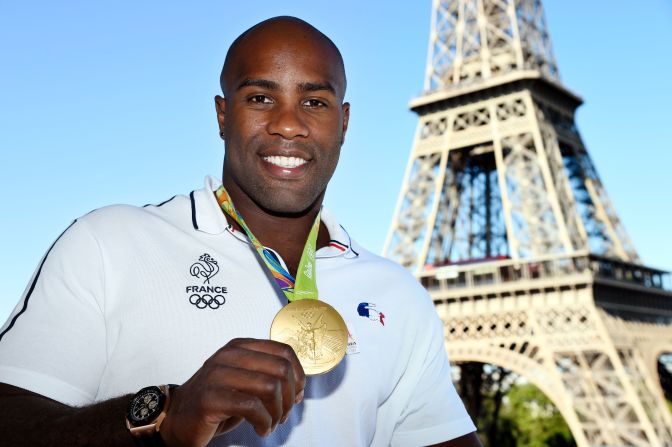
[299, 397]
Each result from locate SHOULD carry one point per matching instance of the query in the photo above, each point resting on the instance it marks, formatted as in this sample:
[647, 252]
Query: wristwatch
[146, 413]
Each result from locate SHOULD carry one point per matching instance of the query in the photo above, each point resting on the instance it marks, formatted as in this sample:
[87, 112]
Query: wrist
[145, 415]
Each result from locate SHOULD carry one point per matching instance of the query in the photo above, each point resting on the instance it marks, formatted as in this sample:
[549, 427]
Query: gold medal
[316, 332]
[314, 329]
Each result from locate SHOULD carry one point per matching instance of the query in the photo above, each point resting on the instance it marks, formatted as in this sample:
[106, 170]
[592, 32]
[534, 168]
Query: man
[130, 297]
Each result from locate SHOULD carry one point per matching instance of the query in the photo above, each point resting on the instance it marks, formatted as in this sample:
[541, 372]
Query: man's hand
[254, 380]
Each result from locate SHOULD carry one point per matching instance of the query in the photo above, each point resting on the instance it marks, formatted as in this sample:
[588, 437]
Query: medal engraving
[315, 331]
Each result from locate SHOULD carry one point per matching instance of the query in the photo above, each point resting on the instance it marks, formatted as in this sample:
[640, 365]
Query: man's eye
[314, 103]
[260, 99]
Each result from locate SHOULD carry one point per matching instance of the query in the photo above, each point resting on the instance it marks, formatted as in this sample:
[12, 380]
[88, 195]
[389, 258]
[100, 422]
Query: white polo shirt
[129, 297]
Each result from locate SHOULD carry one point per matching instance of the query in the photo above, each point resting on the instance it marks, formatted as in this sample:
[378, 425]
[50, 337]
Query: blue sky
[111, 102]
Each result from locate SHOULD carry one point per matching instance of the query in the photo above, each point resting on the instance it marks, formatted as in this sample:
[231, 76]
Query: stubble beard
[278, 200]
[283, 201]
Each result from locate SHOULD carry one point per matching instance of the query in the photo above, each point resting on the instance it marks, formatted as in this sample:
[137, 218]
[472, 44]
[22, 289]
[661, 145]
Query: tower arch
[528, 368]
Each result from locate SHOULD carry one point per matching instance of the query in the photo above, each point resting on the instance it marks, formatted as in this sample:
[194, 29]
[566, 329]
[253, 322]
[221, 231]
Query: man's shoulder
[386, 274]
[381, 263]
[111, 215]
[195, 210]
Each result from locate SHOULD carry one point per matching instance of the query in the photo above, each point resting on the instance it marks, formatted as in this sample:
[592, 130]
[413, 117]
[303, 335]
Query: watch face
[146, 406]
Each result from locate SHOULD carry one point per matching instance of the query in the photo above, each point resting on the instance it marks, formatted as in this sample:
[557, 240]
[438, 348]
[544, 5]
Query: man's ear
[346, 119]
[220, 107]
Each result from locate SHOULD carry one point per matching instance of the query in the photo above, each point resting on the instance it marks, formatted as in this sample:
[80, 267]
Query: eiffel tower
[503, 218]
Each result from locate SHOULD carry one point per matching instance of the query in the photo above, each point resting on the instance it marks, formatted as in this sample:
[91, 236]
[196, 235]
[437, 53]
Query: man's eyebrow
[263, 83]
[316, 86]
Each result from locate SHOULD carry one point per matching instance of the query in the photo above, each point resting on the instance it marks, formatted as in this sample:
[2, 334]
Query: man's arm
[29, 419]
[432, 413]
[254, 380]
[470, 440]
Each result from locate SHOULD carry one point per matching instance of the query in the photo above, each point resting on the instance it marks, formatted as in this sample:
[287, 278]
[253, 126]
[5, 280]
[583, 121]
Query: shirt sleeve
[53, 343]
[434, 412]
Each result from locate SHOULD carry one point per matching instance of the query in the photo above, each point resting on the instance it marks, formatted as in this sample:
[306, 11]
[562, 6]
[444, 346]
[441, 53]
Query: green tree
[537, 422]
[509, 413]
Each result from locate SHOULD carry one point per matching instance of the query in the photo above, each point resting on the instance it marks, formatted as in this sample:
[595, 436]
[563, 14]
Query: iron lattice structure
[503, 218]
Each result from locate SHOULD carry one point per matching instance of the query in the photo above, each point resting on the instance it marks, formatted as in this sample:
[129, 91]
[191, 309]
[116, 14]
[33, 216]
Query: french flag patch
[367, 310]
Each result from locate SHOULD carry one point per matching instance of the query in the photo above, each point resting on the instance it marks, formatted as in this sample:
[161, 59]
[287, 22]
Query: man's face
[283, 120]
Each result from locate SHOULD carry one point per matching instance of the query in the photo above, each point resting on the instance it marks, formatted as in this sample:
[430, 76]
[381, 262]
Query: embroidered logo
[203, 296]
[352, 343]
[367, 310]
[205, 267]
[203, 300]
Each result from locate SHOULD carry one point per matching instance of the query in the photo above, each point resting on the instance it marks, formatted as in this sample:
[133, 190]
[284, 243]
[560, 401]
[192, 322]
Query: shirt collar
[208, 217]
[339, 239]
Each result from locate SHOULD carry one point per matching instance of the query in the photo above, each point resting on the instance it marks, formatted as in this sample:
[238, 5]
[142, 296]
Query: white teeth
[285, 162]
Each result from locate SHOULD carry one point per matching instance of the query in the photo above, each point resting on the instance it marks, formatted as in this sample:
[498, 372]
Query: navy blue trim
[338, 242]
[160, 204]
[273, 254]
[32, 286]
[193, 210]
[349, 245]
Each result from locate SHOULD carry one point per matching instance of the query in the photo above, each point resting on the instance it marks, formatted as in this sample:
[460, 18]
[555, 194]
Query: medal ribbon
[305, 284]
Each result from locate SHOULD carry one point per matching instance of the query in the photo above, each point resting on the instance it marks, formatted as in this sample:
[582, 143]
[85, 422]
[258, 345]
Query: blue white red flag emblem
[367, 310]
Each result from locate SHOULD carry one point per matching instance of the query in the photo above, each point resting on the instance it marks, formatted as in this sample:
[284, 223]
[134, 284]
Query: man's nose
[287, 122]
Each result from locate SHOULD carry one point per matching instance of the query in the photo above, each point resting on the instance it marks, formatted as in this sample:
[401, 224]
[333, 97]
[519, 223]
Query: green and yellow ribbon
[304, 286]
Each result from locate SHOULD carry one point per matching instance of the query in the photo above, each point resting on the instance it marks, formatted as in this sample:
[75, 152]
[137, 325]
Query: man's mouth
[285, 162]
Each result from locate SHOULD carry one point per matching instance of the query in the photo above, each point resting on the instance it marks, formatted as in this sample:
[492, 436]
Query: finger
[268, 388]
[229, 425]
[220, 410]
[227, 403]
[275, 348]
[274, 370]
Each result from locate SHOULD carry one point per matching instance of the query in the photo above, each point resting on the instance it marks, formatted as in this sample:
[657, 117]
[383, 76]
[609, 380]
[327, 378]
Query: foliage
[512, 413]
[509, 413]
[536, 421]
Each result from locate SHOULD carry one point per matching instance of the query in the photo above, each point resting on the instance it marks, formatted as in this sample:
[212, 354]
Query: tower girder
[503, 218]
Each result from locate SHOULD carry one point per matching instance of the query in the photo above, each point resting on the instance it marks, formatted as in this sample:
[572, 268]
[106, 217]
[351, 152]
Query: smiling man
[129, 300]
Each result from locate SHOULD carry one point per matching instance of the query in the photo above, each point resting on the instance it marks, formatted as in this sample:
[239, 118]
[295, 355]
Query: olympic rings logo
[207, 300]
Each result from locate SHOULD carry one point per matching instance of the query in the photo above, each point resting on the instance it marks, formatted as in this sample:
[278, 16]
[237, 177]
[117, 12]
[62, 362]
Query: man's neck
[286, 235]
